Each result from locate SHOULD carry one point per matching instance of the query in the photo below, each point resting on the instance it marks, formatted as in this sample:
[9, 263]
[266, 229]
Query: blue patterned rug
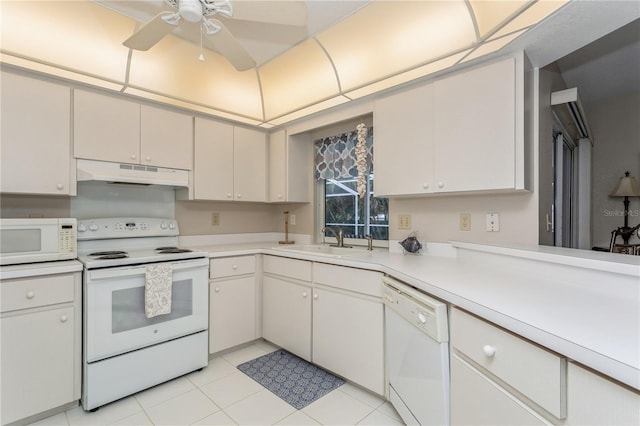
[293, 379]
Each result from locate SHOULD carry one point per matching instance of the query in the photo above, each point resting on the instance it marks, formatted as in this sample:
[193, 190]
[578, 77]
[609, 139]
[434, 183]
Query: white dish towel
[157, 290]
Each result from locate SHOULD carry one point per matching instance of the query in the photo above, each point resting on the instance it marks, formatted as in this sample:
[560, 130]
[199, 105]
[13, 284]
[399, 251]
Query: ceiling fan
[203, 11]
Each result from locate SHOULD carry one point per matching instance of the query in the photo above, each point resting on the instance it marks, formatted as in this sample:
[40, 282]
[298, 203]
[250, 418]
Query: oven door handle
[107, 273]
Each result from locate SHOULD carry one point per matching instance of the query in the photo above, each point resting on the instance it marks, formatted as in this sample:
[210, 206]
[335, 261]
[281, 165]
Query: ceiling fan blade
[229, 47]
[150, 33]
[289, 12]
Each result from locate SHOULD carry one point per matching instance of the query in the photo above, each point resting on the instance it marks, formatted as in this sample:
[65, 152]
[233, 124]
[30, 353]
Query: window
[342, 206]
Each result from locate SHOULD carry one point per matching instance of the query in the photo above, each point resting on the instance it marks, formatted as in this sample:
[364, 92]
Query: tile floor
[223, 395]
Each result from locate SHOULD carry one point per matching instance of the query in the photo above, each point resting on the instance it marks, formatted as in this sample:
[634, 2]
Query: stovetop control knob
[93, 227]
[163, 225]
[172, 225]
[82, 227]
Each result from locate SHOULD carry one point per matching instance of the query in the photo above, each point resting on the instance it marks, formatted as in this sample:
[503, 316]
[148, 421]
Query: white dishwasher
[417, 353]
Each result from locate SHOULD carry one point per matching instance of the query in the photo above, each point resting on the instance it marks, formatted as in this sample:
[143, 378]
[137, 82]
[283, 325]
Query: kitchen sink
[323, 250]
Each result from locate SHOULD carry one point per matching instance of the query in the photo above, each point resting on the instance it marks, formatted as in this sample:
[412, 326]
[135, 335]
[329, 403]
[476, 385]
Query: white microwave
[37, 240]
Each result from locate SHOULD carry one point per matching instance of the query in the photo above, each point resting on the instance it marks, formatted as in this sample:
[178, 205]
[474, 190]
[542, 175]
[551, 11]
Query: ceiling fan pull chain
[201, 57]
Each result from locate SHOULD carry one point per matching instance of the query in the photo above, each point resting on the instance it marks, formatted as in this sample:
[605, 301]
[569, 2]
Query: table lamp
[627, 187]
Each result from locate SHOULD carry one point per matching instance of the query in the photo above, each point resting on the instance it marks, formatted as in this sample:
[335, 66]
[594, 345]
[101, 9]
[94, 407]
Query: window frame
[320, 238]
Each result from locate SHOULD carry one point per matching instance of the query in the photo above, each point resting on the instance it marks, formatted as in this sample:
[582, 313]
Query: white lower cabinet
[286, 304]
[232, 302]
[500, 378]
[347, 337]
[478, 400]
[334, 320]
[596, 400]
[40, 348]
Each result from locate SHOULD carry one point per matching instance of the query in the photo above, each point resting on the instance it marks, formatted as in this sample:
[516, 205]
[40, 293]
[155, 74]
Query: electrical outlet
[292, 219]
[465, 221]
[404, 221]
[215, 219]
[493, 222]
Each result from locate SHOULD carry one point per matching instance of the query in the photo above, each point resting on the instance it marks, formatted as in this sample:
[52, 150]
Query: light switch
[404, 221]
[465, 221]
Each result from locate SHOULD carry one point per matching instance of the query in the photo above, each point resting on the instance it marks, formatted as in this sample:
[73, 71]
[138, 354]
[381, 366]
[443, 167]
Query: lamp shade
[627, 186]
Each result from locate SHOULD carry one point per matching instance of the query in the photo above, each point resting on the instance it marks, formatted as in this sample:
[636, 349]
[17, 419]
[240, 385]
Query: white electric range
[125, 350]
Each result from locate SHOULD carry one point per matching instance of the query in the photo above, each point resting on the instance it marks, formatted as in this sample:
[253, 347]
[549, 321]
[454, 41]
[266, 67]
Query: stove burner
[113, 254]
[170, 250]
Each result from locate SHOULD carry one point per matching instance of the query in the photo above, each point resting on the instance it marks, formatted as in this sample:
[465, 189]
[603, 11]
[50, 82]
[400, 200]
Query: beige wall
[21, 206]
[437, 219]
[615, 125]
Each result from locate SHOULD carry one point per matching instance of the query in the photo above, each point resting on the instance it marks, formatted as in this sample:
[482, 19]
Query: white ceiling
[58, 37]
[607, 68]
[263, 41]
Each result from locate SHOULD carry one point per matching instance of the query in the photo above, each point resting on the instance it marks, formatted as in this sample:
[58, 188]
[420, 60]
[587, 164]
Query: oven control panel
[118, 227]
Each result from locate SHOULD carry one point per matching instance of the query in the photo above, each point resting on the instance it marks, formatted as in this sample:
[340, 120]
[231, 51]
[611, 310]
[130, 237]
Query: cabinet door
[213, 160]
[250, 178]
[232, 313]
[37, 362]
[403, 143]
[474, 129]
[166, 138]
[106, 128]
[595, 400]
[36, 137]
[278, 166]
[348, 337]
[286, 320]
[290, 167]
[477, 400]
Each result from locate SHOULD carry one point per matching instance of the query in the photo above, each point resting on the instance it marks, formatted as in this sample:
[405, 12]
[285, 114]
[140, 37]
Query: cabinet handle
[133, 156]
[148, 158]
[64, 318]
[234, 267]
[440, 185]
[31, 294]
[425, 185]
[489, 350]
[217, 289]
[304, 294]
[239, 195]
[60, 186]
[228, 195]
[315, 296]
[279, 196]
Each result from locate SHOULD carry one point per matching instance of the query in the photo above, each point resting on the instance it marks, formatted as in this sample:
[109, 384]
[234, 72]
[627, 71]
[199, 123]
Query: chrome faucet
[338, 235]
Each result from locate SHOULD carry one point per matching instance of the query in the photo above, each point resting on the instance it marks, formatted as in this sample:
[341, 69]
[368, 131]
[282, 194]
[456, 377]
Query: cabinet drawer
[538, 374]
[34, 292]
[292, 268]
[352, 279]
[232, 266]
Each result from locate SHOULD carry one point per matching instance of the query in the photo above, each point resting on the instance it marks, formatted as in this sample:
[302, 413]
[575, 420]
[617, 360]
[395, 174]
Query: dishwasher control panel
[426, 313]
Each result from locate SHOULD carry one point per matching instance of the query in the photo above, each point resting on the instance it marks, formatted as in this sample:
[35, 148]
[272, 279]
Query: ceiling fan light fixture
[209, 27]
[190, 10]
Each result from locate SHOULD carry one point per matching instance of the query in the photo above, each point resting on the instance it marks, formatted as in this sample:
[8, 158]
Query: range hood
[130, 173]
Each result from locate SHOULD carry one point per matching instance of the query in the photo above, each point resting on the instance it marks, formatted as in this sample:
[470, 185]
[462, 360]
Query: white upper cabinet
[230, 162]
[36, 139]
[289, 167]
[475, 129]
[250, 177]
[166, 138]
[403, 143]
[106, 128]
[461, 133]
[110, 128]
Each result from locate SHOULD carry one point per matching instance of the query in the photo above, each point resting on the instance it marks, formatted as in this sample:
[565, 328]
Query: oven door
[114, 314]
